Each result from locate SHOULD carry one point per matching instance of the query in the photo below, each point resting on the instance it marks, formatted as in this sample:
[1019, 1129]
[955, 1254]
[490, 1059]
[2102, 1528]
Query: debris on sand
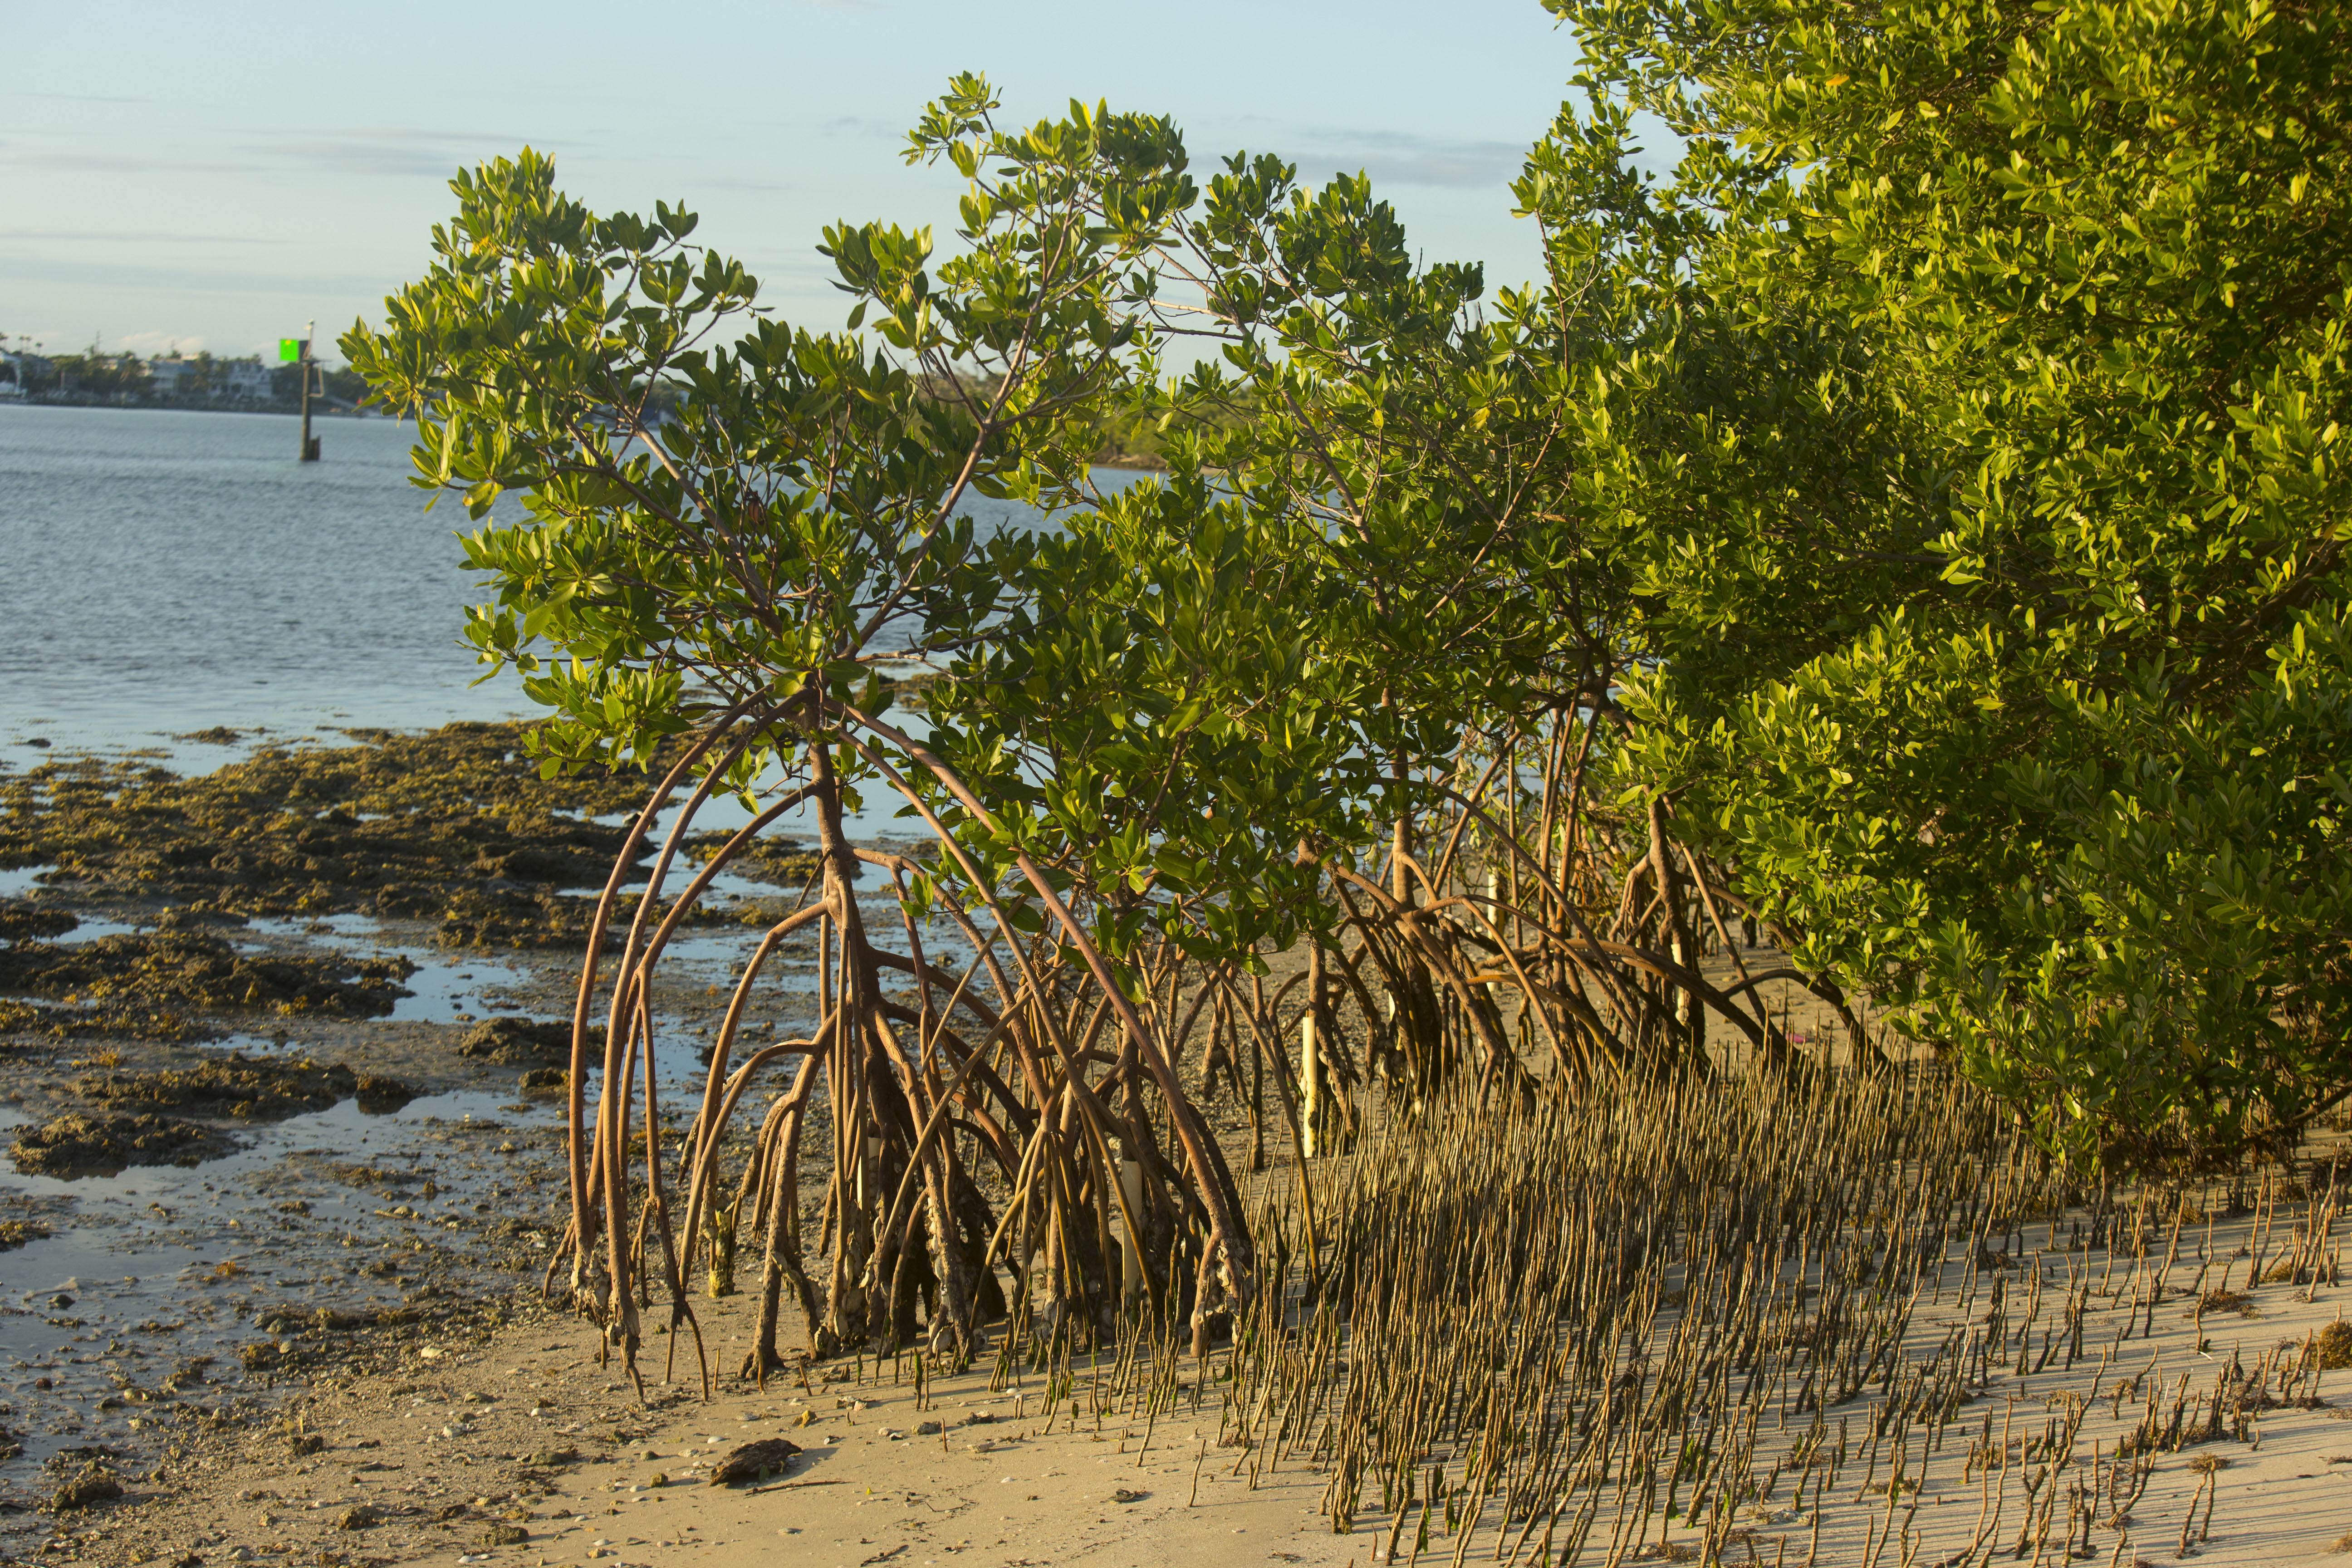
[192, 969]
[96, 1483]
[753, 1462]
[76, 1144]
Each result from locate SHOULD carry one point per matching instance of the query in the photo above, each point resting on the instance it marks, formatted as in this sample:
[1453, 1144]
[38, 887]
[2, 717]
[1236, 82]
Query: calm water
[168, 572]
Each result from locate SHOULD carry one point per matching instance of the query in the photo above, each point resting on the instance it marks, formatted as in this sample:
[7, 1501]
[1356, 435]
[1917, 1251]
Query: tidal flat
[282, 1049]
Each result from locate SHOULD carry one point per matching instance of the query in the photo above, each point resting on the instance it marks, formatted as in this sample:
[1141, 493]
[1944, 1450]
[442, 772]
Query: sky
[214, 176]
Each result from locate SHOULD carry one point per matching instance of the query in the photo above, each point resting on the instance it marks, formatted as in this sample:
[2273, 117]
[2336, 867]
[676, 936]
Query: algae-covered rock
[380, 1096]
[397, 823]
[22, 921]
[195, 969]
[16, 1233]
[245, 1087]
[520, 1042]
[112, 1019]
[76, 1144]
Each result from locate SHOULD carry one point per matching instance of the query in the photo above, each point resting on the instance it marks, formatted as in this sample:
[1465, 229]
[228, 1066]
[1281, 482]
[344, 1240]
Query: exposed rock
[776, 861]
[276, 1319]
[113, 1019]
[378, 1096]
[456, 824]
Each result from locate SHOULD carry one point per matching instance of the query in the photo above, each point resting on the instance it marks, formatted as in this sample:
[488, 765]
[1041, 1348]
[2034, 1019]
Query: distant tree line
[201, 379]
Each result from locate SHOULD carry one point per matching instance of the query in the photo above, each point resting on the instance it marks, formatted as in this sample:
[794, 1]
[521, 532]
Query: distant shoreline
[288, 410]
[1140, 462]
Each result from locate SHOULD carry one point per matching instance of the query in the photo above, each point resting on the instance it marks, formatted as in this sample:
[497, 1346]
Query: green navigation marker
[289, 350]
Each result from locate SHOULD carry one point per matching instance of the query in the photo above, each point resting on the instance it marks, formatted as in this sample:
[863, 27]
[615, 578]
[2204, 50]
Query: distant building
[244, 378]
[12, 375]
[204, 377]
[170, 377]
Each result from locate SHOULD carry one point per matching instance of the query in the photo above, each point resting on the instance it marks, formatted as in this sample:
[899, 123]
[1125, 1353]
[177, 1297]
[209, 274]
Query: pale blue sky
[215, 175]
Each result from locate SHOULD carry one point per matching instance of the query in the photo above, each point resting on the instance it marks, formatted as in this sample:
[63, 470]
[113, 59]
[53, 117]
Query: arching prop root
[1014, 1120]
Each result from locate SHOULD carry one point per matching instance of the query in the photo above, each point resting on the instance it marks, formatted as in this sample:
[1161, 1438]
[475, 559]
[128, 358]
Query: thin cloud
[401, 151]
[1396, 158]
[149, 344]
[104, 163]
[367, 158]
[119, 236]
[189, 279]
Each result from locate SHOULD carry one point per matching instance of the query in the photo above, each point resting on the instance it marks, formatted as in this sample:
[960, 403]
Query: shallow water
[158, 1264]
[172, 571]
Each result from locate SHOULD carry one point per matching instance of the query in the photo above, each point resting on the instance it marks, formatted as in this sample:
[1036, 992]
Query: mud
[76, 1144]
[158, 969]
